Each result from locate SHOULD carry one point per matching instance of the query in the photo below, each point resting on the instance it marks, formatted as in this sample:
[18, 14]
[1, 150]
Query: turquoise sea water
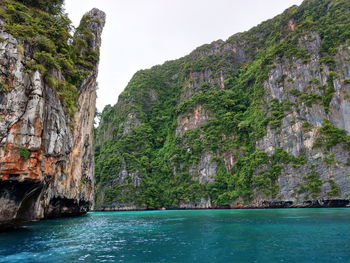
[271, 235]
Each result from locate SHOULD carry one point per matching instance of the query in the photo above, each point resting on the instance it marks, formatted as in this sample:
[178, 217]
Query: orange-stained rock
[13, 163]
[49, 166]
[291, 25]
[237, 205]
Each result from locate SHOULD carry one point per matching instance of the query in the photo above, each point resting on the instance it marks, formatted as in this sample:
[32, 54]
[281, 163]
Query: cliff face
[46, 116]
[259, 120]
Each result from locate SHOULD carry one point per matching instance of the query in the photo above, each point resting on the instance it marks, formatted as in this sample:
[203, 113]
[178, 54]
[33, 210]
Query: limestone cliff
[46, 116]
[259, 120]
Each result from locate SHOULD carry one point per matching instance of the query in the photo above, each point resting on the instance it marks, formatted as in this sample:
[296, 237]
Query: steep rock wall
[46, 156]
[259, 120]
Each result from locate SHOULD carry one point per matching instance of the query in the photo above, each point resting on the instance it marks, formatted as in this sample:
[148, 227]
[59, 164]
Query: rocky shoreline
[330, 203]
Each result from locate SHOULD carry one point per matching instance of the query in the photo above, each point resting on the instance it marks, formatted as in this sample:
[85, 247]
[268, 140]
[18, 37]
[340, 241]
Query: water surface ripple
[271, 235]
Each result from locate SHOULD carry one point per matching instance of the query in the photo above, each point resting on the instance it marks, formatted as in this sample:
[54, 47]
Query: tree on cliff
[52, 6]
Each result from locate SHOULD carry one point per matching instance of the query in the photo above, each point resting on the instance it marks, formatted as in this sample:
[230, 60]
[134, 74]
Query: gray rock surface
[57, 177]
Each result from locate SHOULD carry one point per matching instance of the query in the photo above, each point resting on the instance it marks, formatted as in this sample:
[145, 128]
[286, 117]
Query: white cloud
[142, 33]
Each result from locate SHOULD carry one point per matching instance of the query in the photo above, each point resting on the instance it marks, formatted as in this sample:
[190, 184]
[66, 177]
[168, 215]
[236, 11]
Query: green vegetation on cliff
[44, 34]
[176, 123]
[331, 136]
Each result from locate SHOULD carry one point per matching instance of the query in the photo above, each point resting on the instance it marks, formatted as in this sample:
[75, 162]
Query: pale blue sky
[142, 33]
